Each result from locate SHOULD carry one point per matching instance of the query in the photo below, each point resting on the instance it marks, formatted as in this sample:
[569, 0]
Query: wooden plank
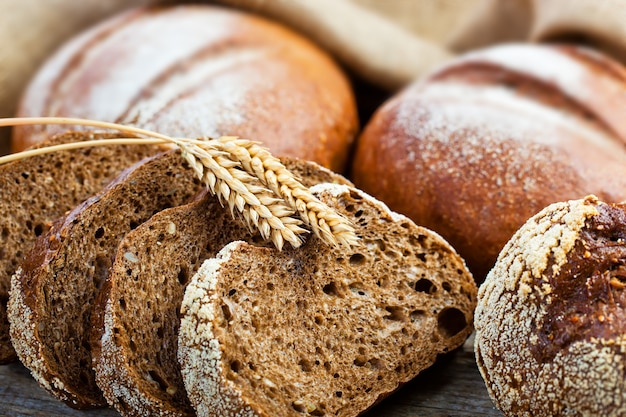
[451, 387]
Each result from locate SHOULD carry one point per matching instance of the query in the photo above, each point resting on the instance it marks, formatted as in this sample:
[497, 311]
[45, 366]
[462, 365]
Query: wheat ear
[325, 222]
[240, 172]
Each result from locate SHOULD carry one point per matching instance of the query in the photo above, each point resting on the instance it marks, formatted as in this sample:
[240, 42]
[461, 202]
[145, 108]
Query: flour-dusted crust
[322, 330]
[550, 320]
[200, 353]
[489, 139]
[191, 70]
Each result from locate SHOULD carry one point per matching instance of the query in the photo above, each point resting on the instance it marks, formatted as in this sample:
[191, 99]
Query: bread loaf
[52, 293]
[200, 70]
[37, 190]
[136, 315]
[550, 323]
[494, 136]
[322, 330]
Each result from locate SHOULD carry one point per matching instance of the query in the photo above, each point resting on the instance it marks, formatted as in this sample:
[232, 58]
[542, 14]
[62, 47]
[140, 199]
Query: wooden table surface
[451, 387]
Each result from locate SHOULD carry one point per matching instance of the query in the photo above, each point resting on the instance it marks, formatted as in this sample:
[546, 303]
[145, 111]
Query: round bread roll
[550, 322]
[199, 70]
[494, 136]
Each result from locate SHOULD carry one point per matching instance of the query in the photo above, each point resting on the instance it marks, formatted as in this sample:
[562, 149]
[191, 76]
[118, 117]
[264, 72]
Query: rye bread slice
[136, 314]
[322, 331]
[52, 292]
[37, 190]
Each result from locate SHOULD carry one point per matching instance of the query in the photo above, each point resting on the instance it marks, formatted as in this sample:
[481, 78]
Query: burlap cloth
[386, 43]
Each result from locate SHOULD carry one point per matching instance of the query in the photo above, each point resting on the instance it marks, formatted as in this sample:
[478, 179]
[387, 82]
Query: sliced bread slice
[136, 315]
[52, 292]
[321, 330]
[37, 190]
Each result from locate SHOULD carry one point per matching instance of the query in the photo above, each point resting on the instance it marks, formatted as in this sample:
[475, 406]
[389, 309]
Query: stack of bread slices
[147, 295]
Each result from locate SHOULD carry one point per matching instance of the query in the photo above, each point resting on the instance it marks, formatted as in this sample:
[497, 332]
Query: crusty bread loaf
[494, 136]
[37, 190]
[322, 330]
[200, 70]
[550, 323]
[136, 314]
[52, 292]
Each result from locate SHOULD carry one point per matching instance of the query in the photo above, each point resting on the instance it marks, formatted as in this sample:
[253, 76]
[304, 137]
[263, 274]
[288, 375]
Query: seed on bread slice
[322, 330]
[136, 315]
[37, 190]
[52, 292]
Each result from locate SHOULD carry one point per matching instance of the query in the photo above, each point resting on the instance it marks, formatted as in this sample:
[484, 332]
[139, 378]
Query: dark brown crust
[303, 107]
[589, 297]
[550, 322]
[50, 310]
[475, 181]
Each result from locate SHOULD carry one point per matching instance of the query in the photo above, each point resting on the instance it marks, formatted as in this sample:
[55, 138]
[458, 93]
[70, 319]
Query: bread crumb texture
[35, 191]
[322, 331]
[135, 333]
[550, 323]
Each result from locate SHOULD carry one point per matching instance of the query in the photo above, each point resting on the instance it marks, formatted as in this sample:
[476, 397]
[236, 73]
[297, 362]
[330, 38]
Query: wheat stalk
[241, 173]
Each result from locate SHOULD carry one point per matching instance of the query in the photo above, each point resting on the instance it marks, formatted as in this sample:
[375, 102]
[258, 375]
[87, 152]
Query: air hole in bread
[355, 195]
[417, 240]
[357, 259]
[446, 286]
[305, 365]
[183, 275]
[99, 233]
[5, 232]
[38, 229]
[360, 361]
[133, 224]
[232, 292]
[156, 377]
[132, 345]
[235, 366]
[380, 244]
[319, 320]
[270, 286]
[358, 213]
[417, 315]
[226, 312]
[391, 254]
[450, 321]
[426, 286]
[396, 313]
[357, 290]
[122, 303]
[80, 178]
[331, 289]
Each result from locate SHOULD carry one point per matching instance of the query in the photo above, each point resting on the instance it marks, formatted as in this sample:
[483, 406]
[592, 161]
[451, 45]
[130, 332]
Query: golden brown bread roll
[199, 70]
[488, 140]
[550, 322]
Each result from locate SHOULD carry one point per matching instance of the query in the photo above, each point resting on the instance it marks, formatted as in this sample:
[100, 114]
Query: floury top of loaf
[323, 330]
